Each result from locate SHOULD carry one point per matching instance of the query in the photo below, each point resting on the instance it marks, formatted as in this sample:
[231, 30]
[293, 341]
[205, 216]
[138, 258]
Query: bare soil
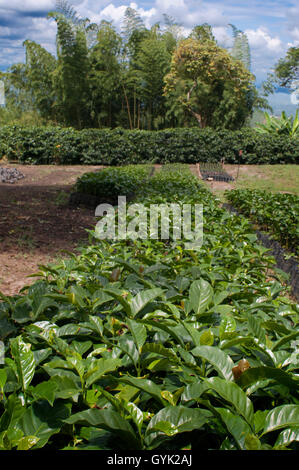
[36, 223]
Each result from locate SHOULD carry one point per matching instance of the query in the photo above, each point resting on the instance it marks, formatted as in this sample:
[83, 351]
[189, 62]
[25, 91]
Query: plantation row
[54, 145]
[274, 212]
[148, 345]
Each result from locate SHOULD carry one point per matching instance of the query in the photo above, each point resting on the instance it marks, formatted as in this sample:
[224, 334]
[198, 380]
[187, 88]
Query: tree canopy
[209, 83]
[138, 77]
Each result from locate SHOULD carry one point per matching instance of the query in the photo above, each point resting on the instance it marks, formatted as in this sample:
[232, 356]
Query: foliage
[113, 181]
[101, 78]
[277, 213]
[55, 145]
[241, 50]
[146, 345]
[212, 86]
[283, 125]
[285, 72]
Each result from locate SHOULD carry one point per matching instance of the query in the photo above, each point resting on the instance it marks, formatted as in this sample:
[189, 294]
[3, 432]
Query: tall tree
[212, 85]
[71, 75]
[241, 48]
[40, 68]
[153, 63]
[285, 72]
[105, 76]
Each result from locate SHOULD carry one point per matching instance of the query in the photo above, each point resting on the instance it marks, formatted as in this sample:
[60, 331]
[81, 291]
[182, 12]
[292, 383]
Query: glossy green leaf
[160, 350]
[173, 420]
[227, 326]
[138, 332]
[102, 366]
[235, 425]
[283, 416]
[109, 420]
[255, 326]
[46, 391]
[207, 338]
[3, 378]
[194, 391]
[145, 385]
[255, 374]
[234, 395]
[27, 442]
[287, 436]
[142, 299]
[217, 358]
[42, 421]
[201, 294]
[24, 360]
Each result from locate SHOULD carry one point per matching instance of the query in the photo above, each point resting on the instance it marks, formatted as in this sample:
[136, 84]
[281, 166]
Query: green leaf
[136, 414]
[173, 420]
[234, 395]
[287, 436]
[259, 420]
[161, 351]
[255, 374]
[285, 339]
[207, 338]
[145, 385]
[200, 294]
[66, 387]
[193, 332]
[12, 414]
[111, 421]
[255, 327]
[143, 298]
[102, 367]
[252, 442]
[45, 390]
[127, 345]
[3, 378]
[194, 391]
[163, 325]
[227, 326]
[283, 416]
[27, 442]
[219, 359]
[42, 421]
[24, 360]
[120, 296]
[138, 332]
[235, 425]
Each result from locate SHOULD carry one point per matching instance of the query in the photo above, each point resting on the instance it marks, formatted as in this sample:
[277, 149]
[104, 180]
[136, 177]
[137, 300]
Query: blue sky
[272, 26]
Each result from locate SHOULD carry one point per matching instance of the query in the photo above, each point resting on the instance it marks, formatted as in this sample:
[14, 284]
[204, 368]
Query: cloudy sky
[272, 26]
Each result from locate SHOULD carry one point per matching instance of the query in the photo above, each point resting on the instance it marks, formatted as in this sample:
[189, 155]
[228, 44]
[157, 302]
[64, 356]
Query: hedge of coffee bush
[55, 145]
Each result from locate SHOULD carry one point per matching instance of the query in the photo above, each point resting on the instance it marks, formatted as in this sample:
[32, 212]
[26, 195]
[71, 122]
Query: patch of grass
[274, 178]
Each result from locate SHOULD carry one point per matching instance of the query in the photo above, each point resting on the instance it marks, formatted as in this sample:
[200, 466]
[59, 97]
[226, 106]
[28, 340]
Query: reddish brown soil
[36, 222]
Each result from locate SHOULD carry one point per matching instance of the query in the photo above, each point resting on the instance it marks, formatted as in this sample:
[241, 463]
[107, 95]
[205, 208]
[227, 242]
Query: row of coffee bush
[55, 145]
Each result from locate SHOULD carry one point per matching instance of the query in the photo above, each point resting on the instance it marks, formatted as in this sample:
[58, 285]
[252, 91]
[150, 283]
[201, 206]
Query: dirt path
[36, 223]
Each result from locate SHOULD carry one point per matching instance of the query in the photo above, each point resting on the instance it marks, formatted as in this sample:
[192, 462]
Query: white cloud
[222, 36]
[260, 39]
[27, 5]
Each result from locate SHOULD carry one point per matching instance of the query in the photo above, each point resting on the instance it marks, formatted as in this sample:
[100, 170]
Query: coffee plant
[144, 344]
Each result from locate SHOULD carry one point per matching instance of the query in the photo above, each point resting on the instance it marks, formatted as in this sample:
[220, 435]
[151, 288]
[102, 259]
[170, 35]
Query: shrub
[55, 145]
